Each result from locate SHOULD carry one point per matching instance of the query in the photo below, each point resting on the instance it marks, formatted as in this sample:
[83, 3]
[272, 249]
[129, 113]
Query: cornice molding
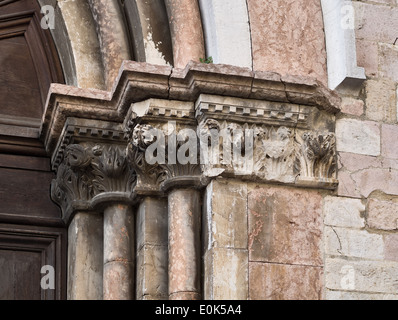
[141, 81]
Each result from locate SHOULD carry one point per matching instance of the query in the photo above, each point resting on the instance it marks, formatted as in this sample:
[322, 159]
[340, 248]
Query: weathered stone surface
[285, 225]
[391, 247]
[152, 249]
[353, 243]
[389, 147]
[375, 22]
[184, 243]
[119, 253]
[354, 162]
[152, 264]
[225, 218]
[226, 274]
[119, 239]
[368, 56]
[85, 43]
[227, 32]
[184, 296]
[85, 257]
[360, 175]
[381, 100]
[362, 137]
[382, 215]
[186, 31]
[344, 212]
[352, 106]
[112, 35]
[363, 275]
[152, 222]
[367, 181]
[282, 51]
[344, 295]
[284, 282]
[119, 280]
[389, 60]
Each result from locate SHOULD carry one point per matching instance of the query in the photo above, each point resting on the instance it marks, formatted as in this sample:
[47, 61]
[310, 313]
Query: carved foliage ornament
[270, 153]
[89, 170]
[159, 153]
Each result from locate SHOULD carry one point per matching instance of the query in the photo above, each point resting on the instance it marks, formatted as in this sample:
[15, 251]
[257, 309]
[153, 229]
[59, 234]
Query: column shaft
[85, 257]
[184, 244]
[119, 261]
[152, 249]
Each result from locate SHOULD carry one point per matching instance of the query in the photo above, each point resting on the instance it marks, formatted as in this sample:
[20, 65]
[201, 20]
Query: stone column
[152, 249]
[85, 256]
[119, 261]
[94, 190]
[184, 244]
[175, 172]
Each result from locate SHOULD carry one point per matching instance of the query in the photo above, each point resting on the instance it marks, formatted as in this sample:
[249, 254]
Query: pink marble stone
[284, 282]
[389, 141]
[352, 107]
[391, 247]
[288, 37]
[186, 31]
[383, 215]
[285, 225]
[368, 56]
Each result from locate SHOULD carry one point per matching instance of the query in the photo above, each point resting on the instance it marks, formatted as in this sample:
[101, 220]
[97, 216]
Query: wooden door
[32, 234]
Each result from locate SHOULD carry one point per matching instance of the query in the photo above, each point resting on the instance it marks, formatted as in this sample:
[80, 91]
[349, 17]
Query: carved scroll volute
[73, 182]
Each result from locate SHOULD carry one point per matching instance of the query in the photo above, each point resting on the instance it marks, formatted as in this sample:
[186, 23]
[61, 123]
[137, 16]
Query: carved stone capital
[266, 141]
[163, 145]
[250, 139]
[92, 168]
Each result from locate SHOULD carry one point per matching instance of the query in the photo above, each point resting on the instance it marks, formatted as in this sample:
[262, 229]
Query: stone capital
[160, 133]
[267, 141]
[91, 167]
[249, 139]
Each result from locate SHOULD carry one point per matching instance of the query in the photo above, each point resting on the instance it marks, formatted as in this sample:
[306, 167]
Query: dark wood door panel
[25, 198]
[20, 275]
[24, 251]
[29, 63]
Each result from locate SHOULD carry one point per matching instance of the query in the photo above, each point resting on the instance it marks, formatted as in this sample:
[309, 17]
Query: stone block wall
[361, 218]
[262, 242]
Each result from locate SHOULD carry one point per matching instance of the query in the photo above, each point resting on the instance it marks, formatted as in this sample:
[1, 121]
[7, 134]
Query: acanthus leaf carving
[274, 154]
[316, 155]
[89, 170]
[154, 171]
[279, 154]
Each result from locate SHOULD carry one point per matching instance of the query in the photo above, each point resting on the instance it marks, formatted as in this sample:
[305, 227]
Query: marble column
[184, 244]
[119, 255]
[85, 257]
[152, 249]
